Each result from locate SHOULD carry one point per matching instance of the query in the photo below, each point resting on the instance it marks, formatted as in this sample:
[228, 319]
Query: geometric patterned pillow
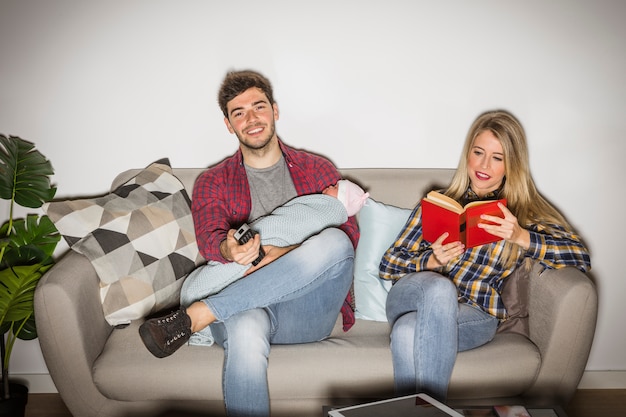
[139, 238]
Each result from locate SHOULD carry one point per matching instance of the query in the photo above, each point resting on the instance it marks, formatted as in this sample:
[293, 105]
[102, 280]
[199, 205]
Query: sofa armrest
[563, 310]
[72, 330]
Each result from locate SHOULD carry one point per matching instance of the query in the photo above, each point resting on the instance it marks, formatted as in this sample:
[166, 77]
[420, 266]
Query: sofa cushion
[504, 367]
[380, 225]
[331, 368]
[354, 364]
[139, 238]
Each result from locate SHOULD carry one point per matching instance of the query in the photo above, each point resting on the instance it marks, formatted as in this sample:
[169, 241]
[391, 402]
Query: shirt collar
[283, 149]
[470, 195]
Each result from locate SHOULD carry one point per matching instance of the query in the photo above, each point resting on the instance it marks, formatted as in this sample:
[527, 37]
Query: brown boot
[165, 335]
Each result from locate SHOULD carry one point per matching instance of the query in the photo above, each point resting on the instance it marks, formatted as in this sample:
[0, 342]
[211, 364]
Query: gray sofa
[101, 371]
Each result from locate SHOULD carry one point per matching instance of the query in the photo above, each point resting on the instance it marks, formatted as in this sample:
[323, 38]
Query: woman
[446, 298]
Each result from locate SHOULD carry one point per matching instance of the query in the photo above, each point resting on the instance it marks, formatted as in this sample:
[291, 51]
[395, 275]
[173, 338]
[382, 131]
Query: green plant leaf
[32, 240]
[24, 173]
[26, 245]
[17, 291]
[29, 331]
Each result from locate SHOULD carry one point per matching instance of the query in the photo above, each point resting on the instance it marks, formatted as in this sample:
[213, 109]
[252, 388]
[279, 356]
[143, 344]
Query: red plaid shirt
[221, 201]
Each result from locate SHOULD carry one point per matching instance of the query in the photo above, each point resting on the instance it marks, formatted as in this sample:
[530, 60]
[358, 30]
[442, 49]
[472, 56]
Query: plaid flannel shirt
[221, 201]
[478, 273]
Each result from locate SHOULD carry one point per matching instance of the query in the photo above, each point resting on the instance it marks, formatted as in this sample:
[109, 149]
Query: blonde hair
[523, 199]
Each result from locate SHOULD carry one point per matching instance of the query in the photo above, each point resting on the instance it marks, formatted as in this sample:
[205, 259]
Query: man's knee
[332, 242]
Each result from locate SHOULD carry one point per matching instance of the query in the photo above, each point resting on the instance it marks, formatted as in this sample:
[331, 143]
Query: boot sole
[147, 340]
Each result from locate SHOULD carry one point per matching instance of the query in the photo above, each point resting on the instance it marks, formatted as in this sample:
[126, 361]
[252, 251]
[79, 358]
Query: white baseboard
[36, 383]
[42, 383]
[603, 380]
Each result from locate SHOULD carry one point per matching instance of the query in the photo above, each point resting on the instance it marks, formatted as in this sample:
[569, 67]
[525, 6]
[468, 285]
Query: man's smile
[255, 130]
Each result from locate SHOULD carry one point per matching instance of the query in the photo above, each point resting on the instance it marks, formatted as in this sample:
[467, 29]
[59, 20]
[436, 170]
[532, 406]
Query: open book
[441, 214]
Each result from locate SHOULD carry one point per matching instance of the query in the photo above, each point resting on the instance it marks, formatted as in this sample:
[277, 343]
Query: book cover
[442, 214]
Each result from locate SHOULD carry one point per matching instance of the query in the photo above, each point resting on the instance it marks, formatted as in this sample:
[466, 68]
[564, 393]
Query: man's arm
[216, 207]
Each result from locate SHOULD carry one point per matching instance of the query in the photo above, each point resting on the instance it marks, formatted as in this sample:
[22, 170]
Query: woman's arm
[552, 245]
[409, 253]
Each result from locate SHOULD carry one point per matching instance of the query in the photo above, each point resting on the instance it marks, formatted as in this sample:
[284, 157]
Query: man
[294, 294]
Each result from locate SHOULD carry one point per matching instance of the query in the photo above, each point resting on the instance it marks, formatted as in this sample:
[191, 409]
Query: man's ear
[275, 108]
[228, 126]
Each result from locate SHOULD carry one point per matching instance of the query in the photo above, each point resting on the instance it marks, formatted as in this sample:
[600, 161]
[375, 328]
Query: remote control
[244, 234]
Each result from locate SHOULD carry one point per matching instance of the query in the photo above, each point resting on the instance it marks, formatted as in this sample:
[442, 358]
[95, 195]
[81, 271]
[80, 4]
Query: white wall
[103, 86]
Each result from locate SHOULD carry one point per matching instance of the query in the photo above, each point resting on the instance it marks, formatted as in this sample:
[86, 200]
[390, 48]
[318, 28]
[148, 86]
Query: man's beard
[263, 144]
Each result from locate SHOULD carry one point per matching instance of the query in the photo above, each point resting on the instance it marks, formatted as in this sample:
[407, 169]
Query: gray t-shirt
[269, 188]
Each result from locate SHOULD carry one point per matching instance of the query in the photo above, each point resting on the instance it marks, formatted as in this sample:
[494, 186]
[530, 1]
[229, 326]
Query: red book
[441, 214]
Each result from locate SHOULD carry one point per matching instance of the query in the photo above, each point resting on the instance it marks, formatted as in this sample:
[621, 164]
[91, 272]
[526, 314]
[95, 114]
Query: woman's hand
[507, 228]
[442, 254]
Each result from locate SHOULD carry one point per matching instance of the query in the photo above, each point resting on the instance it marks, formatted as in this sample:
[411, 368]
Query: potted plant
[26, 248]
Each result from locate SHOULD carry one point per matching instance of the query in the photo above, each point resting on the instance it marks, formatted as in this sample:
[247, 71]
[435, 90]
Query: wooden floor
[586, 403]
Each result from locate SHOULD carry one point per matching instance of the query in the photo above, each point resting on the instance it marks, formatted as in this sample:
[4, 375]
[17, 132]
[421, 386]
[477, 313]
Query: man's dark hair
[236, 82]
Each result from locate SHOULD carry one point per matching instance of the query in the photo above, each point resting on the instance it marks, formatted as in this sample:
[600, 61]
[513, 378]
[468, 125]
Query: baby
[349, 194]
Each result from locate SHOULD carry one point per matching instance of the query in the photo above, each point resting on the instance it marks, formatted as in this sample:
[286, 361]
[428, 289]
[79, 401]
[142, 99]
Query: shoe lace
[177, 330]
[168, 319]
[173, 338]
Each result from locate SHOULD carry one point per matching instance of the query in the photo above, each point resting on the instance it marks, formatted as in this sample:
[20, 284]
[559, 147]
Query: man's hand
[242, 254]
[271, 254]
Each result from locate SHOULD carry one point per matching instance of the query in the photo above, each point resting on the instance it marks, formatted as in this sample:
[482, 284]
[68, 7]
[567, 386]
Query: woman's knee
[425, 281]
[403, 331]
[419, 290]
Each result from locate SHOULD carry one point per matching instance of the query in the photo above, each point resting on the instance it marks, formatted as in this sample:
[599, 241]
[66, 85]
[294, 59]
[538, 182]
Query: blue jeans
[429, 327]
[295, 299]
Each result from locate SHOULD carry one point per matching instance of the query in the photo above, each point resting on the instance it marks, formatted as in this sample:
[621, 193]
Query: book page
[444, 201]
[478, 203]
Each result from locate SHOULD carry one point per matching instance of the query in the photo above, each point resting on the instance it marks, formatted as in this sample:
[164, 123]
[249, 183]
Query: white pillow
[380, 225]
